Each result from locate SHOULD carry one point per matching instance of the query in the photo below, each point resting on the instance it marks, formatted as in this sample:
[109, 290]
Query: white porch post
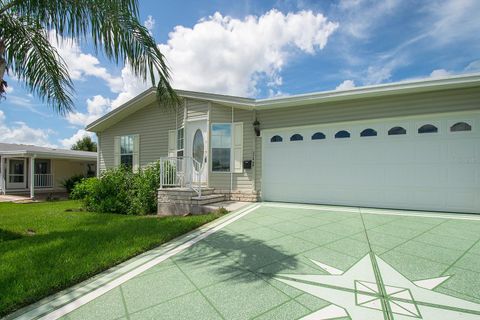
[2, 174]
[32, 177]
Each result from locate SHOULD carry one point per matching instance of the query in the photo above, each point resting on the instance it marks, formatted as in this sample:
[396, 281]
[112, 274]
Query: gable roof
[25, 150]
[404, 87]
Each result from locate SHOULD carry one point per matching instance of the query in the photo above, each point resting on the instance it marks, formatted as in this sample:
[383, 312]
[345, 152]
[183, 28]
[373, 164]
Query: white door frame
[191, 126]
[16, 185]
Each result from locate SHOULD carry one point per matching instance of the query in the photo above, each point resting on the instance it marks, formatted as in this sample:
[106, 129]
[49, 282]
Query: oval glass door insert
[198, 147]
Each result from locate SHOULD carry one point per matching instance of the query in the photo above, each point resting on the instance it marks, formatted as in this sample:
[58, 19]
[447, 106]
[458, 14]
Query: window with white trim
[180, 142]
[221, 147]
[126, 151]
[227, 147]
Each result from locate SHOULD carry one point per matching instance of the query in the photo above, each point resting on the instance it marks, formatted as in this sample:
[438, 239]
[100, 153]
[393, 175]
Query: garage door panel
[464, 175]
[427, 152]
[433, 171]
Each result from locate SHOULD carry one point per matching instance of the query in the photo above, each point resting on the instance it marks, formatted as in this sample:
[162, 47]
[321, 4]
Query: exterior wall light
[256, 127]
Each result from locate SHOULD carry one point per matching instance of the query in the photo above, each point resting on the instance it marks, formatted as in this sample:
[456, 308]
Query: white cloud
[131, 87]
[21, 133]
[226, 55]
[473, 66]
[360, 17]
[149, 23]
[68, 142]
[219, 54]
[81, 65]
[96, 107]
[345, 85]
[453, 20]
[439, 73]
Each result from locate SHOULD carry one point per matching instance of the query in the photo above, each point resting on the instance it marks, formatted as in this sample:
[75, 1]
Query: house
[29, 169]
[407, 145]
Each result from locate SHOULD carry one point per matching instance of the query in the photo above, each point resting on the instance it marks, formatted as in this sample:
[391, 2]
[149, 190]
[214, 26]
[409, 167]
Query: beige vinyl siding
[363, 109]
[151, 123]
[372, 108]
[240, 181]
[63, 169]
[196, 108]
[180, 116]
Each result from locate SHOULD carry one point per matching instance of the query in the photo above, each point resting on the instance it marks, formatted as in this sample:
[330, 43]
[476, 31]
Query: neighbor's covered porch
[20, 174]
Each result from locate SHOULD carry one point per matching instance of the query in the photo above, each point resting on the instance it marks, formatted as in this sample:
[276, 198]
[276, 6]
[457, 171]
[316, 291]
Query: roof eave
[372, 91]
[40, 154]
[405, 87]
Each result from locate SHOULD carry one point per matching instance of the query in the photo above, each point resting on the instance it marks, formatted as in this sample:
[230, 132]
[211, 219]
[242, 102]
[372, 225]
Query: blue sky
[261, 49]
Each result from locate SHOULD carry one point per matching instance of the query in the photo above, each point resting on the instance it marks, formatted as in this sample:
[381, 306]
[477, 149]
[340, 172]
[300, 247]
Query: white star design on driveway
[363, 293]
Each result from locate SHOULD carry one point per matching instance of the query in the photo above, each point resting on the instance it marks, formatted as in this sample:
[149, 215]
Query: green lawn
[46, 247]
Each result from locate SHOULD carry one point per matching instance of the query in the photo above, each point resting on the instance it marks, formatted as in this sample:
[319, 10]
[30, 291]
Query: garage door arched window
[460, 126]
[342, 134]
[428, 128]
[296, 137]
[276, 138]
[368, 133]
[318, 136]
[395, 131]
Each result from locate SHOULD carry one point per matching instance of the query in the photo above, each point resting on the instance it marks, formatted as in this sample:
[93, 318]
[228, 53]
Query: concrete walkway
[13, 198]
[282, 261]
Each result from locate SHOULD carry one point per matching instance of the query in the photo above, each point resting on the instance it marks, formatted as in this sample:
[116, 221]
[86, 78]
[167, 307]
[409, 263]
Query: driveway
[285, 261]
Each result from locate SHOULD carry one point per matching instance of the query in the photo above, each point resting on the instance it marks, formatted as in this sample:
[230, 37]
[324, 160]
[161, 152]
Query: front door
[196, 148]
[16, 174]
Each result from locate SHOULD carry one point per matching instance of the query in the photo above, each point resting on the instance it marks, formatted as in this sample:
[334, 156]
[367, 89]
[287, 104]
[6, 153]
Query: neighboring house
[30, 169]
[407, 145]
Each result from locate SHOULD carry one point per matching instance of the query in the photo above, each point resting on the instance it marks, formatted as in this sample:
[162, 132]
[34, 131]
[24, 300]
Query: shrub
[70, 183]
[121, 191]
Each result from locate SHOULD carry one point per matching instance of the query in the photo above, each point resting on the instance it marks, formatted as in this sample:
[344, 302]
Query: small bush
[70, 183]
[121, 191]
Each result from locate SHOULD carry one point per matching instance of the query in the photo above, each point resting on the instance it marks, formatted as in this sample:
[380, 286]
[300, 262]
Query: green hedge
[121, 191]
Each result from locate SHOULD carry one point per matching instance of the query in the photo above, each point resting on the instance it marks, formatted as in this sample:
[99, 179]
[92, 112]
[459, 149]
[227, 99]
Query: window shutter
[238, 147]
[172, 143]
[136, 152]
[116, 152]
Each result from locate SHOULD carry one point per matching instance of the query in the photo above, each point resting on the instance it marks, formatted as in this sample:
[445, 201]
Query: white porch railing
[183, 172]
[43, 180]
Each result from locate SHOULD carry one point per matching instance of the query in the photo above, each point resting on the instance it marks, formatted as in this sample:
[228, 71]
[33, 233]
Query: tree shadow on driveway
[236, 256]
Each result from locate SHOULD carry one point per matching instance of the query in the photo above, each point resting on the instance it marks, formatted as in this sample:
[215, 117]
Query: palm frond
[111, 26]
[36, 63]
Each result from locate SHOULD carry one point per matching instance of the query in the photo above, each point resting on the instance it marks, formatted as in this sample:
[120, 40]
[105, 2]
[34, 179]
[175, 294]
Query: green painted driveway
[275, 261]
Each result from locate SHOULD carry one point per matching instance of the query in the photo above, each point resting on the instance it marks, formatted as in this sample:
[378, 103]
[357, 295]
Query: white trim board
[391, 212]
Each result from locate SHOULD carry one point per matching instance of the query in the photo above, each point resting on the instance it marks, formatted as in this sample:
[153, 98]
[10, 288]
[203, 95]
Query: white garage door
[424, 163]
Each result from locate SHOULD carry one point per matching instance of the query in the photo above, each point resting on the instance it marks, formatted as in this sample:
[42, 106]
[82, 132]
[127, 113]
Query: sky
[260, 49]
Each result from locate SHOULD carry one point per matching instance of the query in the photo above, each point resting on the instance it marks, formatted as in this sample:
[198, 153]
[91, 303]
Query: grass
[46, 247]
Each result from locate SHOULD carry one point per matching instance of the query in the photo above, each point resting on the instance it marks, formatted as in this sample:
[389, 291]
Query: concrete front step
[175, 201]
[185, 191]
[207, 199]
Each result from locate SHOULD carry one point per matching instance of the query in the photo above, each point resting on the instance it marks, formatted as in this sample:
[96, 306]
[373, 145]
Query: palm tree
[111, 26]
